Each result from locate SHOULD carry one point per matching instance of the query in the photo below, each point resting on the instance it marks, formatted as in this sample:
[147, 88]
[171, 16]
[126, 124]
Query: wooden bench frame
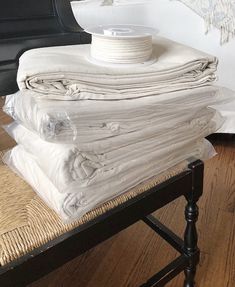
[57, 252]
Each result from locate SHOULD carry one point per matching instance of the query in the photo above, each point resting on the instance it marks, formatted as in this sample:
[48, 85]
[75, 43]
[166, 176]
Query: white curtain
[219, 13]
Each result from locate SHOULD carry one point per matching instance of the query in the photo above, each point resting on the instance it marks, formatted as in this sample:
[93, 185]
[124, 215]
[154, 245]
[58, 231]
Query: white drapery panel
[217, 13]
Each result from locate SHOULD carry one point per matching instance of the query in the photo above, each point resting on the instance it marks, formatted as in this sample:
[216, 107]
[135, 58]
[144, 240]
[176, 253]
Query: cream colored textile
[68, 167]
[66, 73]
[90, 123]
[71, 206]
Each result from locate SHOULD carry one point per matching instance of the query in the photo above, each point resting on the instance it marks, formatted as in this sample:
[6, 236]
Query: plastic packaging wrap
[111, 146]
[93, 13]
[71, 206]
[87, 121]
[70, 166]
[228, 112]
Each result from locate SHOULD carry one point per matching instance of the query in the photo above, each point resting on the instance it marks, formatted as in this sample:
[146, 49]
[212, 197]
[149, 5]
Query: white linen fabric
[66, 73]
[71, 206]
[69, 166]
[219, 13]
[84, 122]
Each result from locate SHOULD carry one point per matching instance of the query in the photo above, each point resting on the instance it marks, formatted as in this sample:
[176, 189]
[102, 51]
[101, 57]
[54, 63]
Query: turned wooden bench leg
[190, 243]
[190, 236]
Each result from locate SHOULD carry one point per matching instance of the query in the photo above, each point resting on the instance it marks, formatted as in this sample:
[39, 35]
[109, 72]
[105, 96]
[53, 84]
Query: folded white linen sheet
[88, 121]
[70, 166]
[71, 206]
[66, 73]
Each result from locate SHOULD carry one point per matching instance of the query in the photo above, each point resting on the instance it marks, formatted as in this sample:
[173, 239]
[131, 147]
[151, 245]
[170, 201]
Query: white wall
[173, 20]
[178, 22]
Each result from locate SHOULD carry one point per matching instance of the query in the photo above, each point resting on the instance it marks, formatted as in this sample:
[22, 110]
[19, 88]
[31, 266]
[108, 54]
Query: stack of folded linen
[67, 73]
[87, 133]
[89, 121]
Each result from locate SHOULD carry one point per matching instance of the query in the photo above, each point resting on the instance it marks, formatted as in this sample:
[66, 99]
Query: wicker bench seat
[27, 223]
[34, 241]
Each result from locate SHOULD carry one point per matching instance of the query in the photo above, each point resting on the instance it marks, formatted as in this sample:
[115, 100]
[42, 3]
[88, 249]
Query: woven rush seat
[27, 223]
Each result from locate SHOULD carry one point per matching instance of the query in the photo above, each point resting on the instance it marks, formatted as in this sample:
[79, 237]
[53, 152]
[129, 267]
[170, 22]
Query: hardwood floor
[129, 258]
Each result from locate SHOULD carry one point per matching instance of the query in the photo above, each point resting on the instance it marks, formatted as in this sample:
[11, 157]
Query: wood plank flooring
[130, 257]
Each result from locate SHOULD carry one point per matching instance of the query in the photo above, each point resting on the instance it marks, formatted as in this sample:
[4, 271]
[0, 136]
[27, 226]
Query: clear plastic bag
[72, 206]
[88, 121]
[71, 166]
[227, 110]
